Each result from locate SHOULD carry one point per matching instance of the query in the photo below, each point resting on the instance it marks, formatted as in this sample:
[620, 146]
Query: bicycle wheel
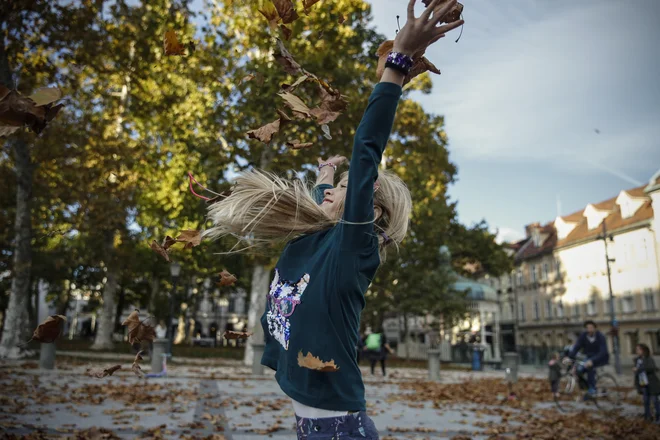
[566, 387]
[608, 394]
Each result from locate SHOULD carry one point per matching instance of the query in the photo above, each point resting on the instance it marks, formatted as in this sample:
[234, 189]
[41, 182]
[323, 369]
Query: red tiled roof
[532, 251]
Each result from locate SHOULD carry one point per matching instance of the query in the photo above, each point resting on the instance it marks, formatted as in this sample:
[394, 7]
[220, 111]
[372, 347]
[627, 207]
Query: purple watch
[399, 61]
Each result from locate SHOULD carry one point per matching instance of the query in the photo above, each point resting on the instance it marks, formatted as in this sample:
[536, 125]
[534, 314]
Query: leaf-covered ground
[226, 402]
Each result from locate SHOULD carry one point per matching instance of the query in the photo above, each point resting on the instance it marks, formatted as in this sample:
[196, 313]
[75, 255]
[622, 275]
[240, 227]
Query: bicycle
[607, 397]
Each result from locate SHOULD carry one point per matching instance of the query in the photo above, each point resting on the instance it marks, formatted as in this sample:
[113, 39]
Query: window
[520, 278]
[546, 269]
[633, 340]
[511, 282]
[628, 303]
[557, 268]
[560, 309]
[512, 310]
[537, 314]
[649, 300]
[591, 306]
[576, 310]
[533, 273]
[522, 312]
[548, 308]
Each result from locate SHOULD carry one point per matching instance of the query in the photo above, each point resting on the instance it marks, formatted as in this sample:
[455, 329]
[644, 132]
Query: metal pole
[170, 333]
[615, 325]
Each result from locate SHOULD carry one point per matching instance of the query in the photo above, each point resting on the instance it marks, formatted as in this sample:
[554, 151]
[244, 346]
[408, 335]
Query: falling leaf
[313, 363]
[323, 116]
[296, 104]
[297, 145]
[159, 250]
[168, 242]
[271, 15]
[420, 66]
[77, 69]
[103, 373]
[331, 99]
[48, 331]
[265, 133]
[454, 13]
[283, 57]
[45, 96]
[292, 87]
[286, 32]
[226, 279]
[171, 44]
[285, 10]
[136, 366]
[326, 131]
[228, 334]
[308, 4]
[190, 238]
[341, 19]
[138, 331]
[247, 78]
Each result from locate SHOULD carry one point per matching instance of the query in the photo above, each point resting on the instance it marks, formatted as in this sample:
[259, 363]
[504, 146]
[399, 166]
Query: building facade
[561, 277]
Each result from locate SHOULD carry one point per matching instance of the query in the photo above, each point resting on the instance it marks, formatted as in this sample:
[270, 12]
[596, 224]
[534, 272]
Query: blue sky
[523, 92]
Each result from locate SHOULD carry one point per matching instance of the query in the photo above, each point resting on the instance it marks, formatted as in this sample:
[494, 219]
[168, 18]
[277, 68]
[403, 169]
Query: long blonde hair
[264, 208]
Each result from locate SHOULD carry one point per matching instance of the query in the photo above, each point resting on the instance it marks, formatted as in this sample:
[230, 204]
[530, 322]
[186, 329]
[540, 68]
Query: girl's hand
[335, 160]
[419, 33]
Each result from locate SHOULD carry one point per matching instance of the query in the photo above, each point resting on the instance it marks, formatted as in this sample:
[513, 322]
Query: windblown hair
[264, 208]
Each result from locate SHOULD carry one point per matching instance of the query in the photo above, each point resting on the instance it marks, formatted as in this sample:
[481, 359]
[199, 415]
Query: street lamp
[615, 324]
[175, 271]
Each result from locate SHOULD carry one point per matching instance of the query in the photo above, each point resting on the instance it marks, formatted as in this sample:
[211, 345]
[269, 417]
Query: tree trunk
[119, 309]
[16, 325]
[258, 295]
[103, 339]
[154, 290]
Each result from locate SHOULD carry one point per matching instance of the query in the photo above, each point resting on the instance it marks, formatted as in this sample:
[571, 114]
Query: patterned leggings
[354, 426]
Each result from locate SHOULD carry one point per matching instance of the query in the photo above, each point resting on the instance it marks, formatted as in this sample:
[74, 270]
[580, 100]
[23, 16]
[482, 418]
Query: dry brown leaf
[283, 57]
[136, 365]
[341, 19]
[102, 373]
[228, 334]
[286, 32]
[271, 15]
[454, 13]
[297, 145]
[226, 279]
[45, 96]
[138, 331]
[285, 10]
[48, 331]
[308, 4]
[17, 110]
[190, 238]
[323, 116]
[420, 66]
[168, 242]
[296, 104]
[247, 78]
[160, 250]
[313, 363]
[292, 87]
[266, 132]
[171, 44]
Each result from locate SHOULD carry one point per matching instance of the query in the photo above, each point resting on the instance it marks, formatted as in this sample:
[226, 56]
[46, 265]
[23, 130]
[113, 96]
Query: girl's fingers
[411, 10]
[436, 38]
[450, 26]
[427, 12]
[439, 15]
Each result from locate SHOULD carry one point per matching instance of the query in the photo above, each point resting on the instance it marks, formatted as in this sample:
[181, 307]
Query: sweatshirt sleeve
[318, 191]
[576, 347]
[370, 140]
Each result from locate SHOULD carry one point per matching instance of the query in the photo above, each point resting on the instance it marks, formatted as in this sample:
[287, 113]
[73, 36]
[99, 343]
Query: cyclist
[594, 345]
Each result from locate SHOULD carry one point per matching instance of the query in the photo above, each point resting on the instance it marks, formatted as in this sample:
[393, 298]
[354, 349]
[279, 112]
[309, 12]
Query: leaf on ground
[296, 104]
[102, 373]
[286, 32]
[171, 44]
[48, 331]
[313, 363]
[228, 334]
[454, 13]
[283, 57]
[138, 331]
[160, 250]
[45, 96]
[190, 238]
[285, 10]
[297, 145]
[226, 279]
[308, 4]
[136, 365]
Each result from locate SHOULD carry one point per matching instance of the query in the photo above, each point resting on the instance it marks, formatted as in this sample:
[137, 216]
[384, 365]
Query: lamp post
[175, 271]
[615, 324]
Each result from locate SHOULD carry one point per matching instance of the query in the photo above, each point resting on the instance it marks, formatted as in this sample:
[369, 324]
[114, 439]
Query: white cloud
[508, 235]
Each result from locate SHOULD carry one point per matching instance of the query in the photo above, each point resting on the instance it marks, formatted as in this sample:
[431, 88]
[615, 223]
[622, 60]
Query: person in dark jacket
[647, 382]
[554, 374]
[594, 346]
[377, 349]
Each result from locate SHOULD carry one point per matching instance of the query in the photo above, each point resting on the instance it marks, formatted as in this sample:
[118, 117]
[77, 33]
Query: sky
[548, 105]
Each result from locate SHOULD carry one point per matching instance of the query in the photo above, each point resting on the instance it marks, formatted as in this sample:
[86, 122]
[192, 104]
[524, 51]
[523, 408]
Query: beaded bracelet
[334, 167]
[400, 62]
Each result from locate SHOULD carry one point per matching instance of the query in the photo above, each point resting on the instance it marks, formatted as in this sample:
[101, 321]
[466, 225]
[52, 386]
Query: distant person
[377, 349]
[594, 345]
[555, 374]
[161, 330]
[647, 382]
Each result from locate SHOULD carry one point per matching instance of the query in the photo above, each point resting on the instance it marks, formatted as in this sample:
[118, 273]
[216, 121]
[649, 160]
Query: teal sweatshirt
[317, 293]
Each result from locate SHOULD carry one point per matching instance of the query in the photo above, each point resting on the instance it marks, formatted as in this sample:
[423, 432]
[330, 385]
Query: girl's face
[639, 351]
[333, 199]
